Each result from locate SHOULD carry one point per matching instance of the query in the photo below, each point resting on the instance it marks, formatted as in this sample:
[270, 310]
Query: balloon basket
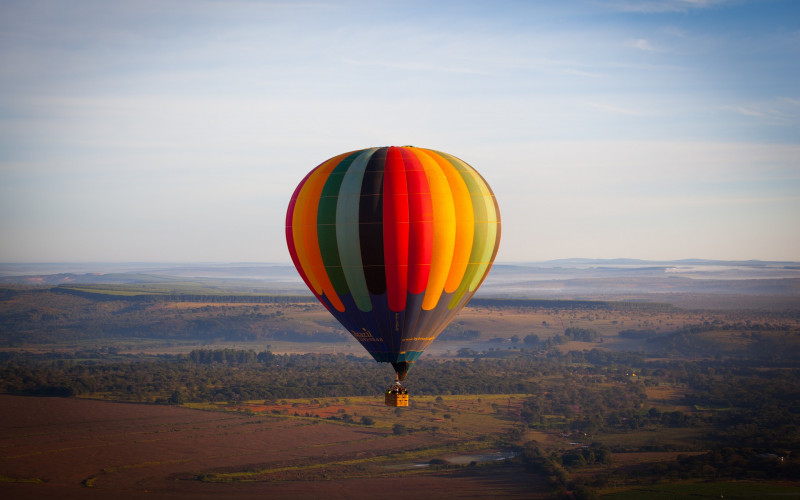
[396, 395]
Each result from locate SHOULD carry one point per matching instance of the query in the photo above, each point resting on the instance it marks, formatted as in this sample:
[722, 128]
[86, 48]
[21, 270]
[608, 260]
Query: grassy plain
[79, 448]
[344, 447]
[178, 317]
[713, 489]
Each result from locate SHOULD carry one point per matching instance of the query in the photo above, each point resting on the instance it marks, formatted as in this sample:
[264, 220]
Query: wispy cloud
[412, 66]
[777, 111]
[661, 6]
[641, 44]
[615, 109]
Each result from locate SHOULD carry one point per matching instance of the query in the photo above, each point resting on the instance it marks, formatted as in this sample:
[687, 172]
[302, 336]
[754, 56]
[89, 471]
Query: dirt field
[73, 448]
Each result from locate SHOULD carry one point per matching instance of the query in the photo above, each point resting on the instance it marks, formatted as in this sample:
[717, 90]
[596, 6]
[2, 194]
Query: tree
[176, 398]
[583, 492]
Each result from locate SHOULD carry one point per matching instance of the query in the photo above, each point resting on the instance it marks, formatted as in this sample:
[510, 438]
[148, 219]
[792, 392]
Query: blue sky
[177, 130]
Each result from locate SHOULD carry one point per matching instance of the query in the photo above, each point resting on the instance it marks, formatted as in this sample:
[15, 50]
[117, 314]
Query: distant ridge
[685, 282]
[649, 262]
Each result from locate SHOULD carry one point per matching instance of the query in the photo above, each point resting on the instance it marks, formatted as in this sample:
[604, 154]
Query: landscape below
[245, 389]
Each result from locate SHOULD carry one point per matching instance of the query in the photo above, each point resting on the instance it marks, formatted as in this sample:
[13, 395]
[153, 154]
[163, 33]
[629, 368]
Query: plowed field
[73, 448]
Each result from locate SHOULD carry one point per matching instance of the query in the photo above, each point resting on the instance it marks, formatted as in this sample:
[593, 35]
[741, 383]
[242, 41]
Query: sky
[177, 130]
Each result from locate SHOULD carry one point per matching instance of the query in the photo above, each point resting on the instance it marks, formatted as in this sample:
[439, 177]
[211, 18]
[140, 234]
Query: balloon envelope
[394, 241]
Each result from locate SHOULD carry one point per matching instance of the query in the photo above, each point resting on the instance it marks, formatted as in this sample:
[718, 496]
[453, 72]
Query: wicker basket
[394, 398]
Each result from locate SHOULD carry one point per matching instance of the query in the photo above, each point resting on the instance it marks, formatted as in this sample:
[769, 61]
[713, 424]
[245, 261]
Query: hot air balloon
[393, 241]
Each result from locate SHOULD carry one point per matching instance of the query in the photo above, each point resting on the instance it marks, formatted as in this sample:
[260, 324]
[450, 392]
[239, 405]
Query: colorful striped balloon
[393, 241]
